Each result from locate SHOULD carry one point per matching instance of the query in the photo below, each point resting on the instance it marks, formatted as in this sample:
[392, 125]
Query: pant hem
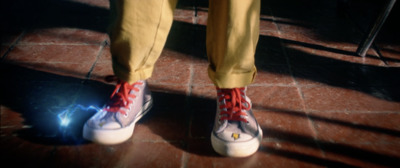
[232, 80]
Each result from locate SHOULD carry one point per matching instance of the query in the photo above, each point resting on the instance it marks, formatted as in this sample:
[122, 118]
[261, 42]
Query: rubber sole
[236, 149]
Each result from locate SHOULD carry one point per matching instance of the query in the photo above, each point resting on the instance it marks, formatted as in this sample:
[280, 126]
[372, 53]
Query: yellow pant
[140, 29]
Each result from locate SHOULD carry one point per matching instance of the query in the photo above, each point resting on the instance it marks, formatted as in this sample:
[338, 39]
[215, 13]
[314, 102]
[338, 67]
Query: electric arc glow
[65, 116]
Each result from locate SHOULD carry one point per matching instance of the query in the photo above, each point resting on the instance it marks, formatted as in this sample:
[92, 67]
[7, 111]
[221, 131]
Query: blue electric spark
[70, 122]
[65, 116]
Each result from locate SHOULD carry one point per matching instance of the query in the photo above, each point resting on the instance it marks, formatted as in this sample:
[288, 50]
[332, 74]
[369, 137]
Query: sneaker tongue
[235, 126]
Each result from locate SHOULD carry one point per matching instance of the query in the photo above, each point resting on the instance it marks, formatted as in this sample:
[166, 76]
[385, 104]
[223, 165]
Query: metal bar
[366, 44]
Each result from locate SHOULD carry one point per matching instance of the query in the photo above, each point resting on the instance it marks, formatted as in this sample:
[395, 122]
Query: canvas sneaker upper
[236, 132]
[115, 122]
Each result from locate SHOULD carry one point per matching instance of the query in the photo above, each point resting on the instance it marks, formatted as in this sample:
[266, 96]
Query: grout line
[300, 92]
[102, 46]
[380, 55]
[188, 101]
[190, 83]
[13, 44]
[184, 159]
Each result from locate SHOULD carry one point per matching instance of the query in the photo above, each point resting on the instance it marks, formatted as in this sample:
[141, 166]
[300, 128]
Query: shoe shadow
[41, 98]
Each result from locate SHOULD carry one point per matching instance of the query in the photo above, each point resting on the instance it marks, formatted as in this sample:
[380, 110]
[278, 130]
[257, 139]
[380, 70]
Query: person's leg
[138, 34]
[232, 35]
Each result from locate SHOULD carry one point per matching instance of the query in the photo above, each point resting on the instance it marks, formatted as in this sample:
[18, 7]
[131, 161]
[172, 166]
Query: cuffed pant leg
[232, 36]
[138, 34]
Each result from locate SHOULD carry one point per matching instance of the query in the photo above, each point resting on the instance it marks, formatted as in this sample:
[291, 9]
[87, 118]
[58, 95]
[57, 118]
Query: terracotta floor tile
[200, 74]
[76, 70]
[10, 36]
[62, 36]
[164, 74]
[320, 24]
[267, 24]
[170, 56]
[168, 98]
[103, 65]
[203, 97]
[357, 128]
[274, 75]
[149, 154]
[271, 154]
[285, 126]
[391, 54]
[328, 56]
[73, 14]
[25, 153]
[3, 50]
[182, 38]
[18, 74]
[202, 122]
[77, 156]
[184, 15]
[351, 99]
[54, 53]
[136, 154]
[290, 32]
[163, 129]
[171, 68]
[275, 98]
[269, 51]
[202, 16]
[288, 154]
[10, 119]
[98, 3]
[346, 75]
[105, 55]
[168, 120]
[101, 70]
[363, 155]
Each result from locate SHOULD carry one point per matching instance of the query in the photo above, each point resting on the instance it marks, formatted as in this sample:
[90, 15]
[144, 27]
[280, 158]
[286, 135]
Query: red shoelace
[235, 103]
[121, 97]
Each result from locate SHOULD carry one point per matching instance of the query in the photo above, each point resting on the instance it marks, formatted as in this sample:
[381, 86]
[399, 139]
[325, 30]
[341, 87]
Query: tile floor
[318, 103]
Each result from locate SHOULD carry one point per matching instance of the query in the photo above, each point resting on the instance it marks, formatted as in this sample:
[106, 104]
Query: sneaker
[236, 132]
[115, 122]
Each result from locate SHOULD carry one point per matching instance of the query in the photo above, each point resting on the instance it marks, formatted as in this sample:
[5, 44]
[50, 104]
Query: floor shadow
[20, 15]
[377, 81]
[41, 97]
[344, 150]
